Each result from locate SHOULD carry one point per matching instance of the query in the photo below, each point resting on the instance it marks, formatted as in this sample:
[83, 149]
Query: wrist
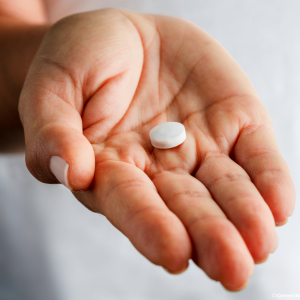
[19, 43]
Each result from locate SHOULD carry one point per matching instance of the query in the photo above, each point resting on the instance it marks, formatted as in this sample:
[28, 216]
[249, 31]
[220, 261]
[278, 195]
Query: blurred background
[51, 247]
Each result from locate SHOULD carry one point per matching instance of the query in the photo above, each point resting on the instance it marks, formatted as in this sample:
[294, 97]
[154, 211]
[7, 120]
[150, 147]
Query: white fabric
[52, 248]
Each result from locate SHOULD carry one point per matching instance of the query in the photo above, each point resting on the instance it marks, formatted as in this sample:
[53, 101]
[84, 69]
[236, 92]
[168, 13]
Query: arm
[22, 27]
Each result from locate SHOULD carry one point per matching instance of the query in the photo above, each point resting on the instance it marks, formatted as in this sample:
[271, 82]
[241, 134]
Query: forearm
[20, 38]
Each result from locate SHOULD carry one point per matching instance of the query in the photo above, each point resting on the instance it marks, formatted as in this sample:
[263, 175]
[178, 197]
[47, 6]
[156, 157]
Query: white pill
[167, 135]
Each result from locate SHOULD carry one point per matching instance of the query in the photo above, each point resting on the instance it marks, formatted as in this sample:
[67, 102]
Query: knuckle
[36, 161]
[228, 177]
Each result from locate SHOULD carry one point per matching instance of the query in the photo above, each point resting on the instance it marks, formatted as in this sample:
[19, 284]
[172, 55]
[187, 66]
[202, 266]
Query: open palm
[101, 81]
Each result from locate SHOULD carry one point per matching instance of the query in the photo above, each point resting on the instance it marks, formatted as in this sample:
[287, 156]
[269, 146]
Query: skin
[214, 199]
[23, 24]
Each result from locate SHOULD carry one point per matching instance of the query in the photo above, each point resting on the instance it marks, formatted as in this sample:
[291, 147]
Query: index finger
[129, 200]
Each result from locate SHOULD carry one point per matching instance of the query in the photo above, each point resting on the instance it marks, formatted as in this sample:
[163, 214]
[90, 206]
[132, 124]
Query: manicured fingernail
[59, 168]
[177, 272]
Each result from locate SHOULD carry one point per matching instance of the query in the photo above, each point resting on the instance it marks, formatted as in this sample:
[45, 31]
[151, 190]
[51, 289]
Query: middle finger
[219, 248]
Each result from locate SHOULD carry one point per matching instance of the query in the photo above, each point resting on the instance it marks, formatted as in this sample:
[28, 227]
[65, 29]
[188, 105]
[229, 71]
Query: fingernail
[262, 261]
[59, 168]
[278, 224]
[177, 272]
[236, 289]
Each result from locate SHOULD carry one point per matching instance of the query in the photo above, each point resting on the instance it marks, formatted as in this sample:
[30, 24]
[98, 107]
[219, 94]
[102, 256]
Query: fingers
[56, 149]
[64, 85]
[232, 189]
[129, 200]
[219, 248]
[257, 152]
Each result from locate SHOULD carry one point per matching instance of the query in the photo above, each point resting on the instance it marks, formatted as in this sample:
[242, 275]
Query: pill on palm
[167, 135]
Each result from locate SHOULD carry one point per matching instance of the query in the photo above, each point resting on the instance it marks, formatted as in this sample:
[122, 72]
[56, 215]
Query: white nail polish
[59, 168]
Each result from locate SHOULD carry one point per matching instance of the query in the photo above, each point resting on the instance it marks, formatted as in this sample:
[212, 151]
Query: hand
[101, 81]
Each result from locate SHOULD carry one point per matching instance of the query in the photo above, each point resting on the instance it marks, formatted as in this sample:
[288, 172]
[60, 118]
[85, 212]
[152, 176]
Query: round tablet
[167, 135]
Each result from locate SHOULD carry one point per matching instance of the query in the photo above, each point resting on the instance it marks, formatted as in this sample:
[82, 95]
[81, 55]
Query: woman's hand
[100, 82]
[23, 25]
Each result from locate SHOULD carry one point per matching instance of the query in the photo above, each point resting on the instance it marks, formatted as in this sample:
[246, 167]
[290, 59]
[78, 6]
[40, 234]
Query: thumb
[56, 149]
